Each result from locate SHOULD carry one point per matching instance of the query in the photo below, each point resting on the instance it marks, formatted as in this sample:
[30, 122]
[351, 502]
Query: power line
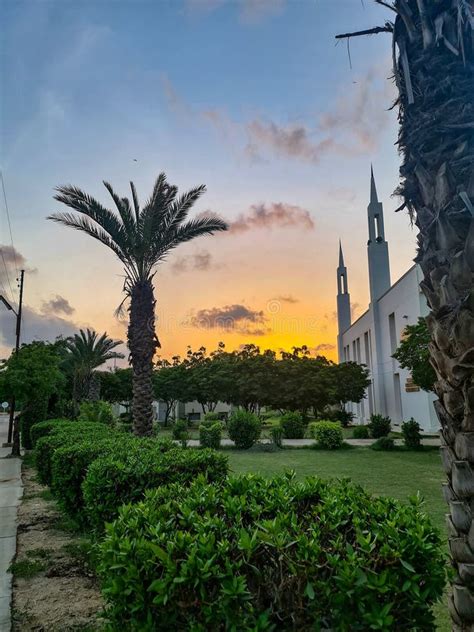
[7, 276]
[9, 223]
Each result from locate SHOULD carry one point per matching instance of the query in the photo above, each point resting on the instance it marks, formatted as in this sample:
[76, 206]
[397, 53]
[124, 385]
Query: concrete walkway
[10, 496]
[298, 443]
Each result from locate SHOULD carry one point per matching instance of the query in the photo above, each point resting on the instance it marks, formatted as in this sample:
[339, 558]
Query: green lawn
[397, 474]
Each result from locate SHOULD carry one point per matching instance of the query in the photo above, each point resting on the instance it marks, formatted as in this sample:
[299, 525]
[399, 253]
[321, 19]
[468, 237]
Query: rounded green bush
[44, 428]
[328, 434]
[210, 434]
[98, 411]
[60, 436]
[360, 432]
[253, 553]
[244, 429]
[411, 434]
[384, 443]
[293, 426]
[179, 430]
[113, 480]
[379, 426]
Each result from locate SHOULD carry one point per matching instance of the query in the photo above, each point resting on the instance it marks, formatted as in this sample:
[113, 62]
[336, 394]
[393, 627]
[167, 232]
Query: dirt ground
[54, 588]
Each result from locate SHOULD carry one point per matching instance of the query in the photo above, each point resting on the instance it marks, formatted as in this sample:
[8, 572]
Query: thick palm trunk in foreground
[436, 137]
[433, 54]
[142, 343]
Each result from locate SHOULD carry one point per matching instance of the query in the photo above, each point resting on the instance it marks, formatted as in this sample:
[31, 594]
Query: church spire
[343, 303]
[379, 266]
[373, 188]
[341, 256]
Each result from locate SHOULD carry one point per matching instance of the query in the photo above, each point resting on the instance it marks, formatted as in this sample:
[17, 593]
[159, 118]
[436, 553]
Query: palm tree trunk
[435, 77]
[142, 343]
[93, 394]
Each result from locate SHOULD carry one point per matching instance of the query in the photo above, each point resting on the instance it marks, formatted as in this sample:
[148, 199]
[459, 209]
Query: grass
[400, 474]
[26, 568]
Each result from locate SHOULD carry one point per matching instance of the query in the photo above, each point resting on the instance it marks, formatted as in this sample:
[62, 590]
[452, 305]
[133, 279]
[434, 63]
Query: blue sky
[251, 97]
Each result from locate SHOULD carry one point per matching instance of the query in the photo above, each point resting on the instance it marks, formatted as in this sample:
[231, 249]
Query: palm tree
[87, 351]
[141, 238]
[434, 74]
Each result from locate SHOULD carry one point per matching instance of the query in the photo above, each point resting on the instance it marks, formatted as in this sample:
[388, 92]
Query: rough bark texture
[435, 76]
[94, 388]
[142, 343]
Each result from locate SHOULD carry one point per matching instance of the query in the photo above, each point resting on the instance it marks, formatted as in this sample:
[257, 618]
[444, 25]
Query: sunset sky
[251, 98]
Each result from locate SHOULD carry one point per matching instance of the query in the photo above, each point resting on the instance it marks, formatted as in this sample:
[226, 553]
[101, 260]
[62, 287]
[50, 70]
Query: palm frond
[180, 208]
[124, 209]
[135, 202]
[86, 226]
[83, 203]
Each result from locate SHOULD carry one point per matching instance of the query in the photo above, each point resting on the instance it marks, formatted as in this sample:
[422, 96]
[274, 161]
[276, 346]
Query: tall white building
[374, 336]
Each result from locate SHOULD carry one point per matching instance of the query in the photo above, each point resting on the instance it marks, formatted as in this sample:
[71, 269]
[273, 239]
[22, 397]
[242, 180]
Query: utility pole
[17, 347]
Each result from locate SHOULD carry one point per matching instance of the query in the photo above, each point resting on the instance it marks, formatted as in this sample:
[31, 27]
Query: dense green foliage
[44, 428]
[179, 430]
[62, 436]
[258, 554]
[379, 426]
[328, 434]
[360, 432]
[293, 425]
[411, 432]
[383, 443]
[413, 354]
[116, 386]
[250, 378]
[276, 435]
[244, 429]
[115, 479]
[210, 433]
[96, 410]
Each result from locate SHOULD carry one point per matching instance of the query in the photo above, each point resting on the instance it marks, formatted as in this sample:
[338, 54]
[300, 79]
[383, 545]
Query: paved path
[10, 495]
[308, 442]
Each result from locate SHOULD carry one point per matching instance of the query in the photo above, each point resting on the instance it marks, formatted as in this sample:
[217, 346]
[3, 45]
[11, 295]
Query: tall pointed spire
[373, 189]
[341, 256]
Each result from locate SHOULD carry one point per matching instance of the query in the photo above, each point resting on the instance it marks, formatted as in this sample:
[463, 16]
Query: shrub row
[113, 479]
[210, 433]
[264, 554]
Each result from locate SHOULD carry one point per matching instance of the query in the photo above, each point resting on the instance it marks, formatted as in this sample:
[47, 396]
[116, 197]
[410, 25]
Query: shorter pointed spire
[373, 190]
[341, 256]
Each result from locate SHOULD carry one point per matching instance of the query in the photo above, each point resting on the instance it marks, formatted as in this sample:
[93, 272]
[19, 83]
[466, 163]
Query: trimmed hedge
[210, 433]
[253, 553]
[71, 434]
[411, 432]
[44, 428]
[328, 434]
[293, 425]
[244, 429]
[113, 480]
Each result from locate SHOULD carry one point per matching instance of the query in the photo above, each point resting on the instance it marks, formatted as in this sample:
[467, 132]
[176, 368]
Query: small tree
[413, 354]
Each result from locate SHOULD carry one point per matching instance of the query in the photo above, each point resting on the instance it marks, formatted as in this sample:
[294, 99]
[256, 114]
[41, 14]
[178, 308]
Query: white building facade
[373, 337]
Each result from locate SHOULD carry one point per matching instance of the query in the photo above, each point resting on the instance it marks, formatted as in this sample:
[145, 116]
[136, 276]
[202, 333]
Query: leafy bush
[34, 412]
[113, 480]
[276, 435]
[179, 430]
[71, 434]
[328, 434]
[379, 426]
[98, 411]
[343, 416]
[211, 416]
[244, 429]
[360, 432]
[44, 428]
[411, 434]
[210, 434]
[293, 426]
[252, 553]
[384, 443]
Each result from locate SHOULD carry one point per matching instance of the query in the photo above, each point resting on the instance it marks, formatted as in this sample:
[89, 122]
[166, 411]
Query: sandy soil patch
[54, 588]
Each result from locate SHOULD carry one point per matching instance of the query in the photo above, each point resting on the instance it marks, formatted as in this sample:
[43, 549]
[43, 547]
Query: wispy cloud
[235, 318]
[249, 11]
[36, 326]
[351, 125]
[275, 215]
[286, 299]
[198, 261]
[324, 346]
[56, 305]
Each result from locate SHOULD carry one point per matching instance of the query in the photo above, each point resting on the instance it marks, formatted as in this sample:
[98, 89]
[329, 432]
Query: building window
[367, 350]
[398, 397]
[393, 333]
